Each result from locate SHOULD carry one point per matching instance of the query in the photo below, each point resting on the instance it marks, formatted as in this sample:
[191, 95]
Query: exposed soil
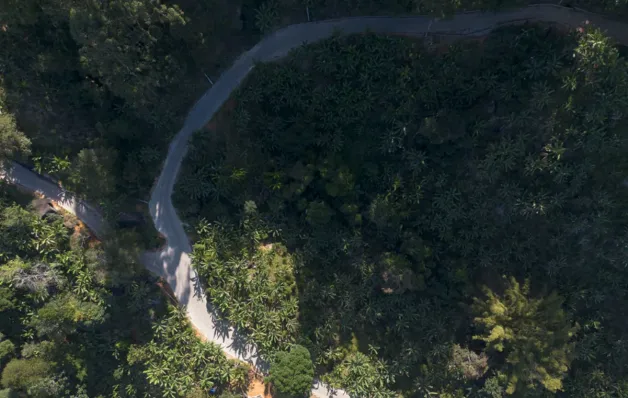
[257, 387]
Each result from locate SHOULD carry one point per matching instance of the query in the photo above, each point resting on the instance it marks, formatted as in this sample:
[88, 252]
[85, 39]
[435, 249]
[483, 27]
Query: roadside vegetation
[79, 318]
[413, 219]
[427, 220]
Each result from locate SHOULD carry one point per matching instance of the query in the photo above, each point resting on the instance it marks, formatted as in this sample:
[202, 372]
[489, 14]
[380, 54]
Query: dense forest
[427, 219]
[83, 319]
[396, 217]
[99, 88]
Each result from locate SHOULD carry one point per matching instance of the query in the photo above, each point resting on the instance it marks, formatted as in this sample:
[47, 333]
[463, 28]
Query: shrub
[292, 373]
[19, 374]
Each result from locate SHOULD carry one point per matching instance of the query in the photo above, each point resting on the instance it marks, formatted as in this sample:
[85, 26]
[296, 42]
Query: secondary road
[24, 177]
[173, 262]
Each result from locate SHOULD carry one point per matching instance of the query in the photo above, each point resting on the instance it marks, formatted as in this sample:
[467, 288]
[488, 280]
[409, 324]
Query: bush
[8, 393]
[19, 374]
[7, 348]
[292, 373]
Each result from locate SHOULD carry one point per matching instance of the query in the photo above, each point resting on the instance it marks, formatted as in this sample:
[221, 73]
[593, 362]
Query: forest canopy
[83, 319]
[116, 78]
[425, 218]
[419, 218]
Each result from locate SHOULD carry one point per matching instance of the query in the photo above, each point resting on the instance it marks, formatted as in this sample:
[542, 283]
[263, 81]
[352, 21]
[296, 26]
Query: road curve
[173, 262]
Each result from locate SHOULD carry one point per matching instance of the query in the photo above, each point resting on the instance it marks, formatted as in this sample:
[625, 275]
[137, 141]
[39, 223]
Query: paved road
[173, 262]
[20, 175]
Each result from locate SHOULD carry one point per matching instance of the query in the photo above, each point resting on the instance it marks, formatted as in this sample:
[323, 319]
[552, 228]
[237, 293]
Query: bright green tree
[292, 372]
[7, 349]
[362, 376]
[532, 334]
[20, 374]
[178, 362]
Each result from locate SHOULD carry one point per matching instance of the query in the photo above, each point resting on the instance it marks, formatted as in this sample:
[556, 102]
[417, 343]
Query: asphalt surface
[173, 262]
[27, 179]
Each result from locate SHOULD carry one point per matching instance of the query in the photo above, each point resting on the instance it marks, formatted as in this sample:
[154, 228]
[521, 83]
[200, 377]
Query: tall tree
[124, 44]
[529, 339]
[292, 372]
[12, 141]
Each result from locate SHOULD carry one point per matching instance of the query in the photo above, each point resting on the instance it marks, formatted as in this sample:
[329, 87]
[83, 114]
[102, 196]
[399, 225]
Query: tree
[292, 372]
[7, 349]
[396, 171]
[361, 376]
[533, 335]
[178, 362]
[125, 44]
[266, 16]
[64, 314]
[20, 374]
[92, 173]
[8, 393]
[471, 365]
[12, 141]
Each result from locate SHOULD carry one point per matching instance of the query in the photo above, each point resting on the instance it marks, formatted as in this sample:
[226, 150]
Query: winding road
[173, 262]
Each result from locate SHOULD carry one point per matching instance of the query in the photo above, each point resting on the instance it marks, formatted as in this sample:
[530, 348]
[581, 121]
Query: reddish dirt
[80, 227]
[198, 333]
[256, 384]
[257, 387]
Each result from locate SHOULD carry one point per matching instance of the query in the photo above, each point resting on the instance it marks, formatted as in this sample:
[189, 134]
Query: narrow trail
[173, 262]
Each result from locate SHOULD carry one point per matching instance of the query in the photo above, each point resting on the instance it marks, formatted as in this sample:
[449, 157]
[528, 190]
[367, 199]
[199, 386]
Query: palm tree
[266, 16]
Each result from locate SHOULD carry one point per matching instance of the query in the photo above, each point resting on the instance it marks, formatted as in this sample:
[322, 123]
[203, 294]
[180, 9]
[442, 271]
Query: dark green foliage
[322, 9]
[292, 372]
[13, 143]
[365, 190]
[7, 349]
[64, 314]
[100, 87]
[401, 177]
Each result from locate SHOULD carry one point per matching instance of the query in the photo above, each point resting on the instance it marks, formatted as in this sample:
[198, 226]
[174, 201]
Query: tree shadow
[174, 264]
